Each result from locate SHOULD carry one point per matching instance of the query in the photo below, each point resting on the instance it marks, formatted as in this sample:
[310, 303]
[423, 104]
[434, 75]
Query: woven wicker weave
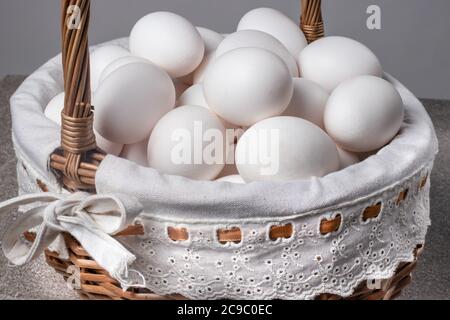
[78, 161]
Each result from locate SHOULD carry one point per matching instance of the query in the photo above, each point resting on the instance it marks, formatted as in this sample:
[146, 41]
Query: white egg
[212, 40]
[247, 85]
[180, 87]
[188, 142]
[116, 64]
[308, 102]
[364, 114]
[347, 158]
[54, 108]
[168, 40]
[199, 74]
[194, 96]
[136, 152]
[101, 58]
[285, 149]
[108, 146]
[258, 39]
[232, 179]
[131, 100]
[276, 24]
[332, 60]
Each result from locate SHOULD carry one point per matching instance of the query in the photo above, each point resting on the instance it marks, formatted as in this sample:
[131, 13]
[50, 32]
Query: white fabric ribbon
[91, 219]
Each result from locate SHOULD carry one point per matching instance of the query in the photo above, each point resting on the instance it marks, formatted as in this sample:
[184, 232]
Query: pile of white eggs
[297, 111]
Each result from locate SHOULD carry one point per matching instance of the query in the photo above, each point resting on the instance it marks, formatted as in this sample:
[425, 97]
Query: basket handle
[79, 157]
[311, 21]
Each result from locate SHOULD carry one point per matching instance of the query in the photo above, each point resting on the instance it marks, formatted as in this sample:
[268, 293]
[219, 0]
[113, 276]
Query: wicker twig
[311, 20]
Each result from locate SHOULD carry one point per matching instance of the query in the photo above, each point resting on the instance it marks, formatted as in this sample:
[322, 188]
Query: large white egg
[136, 152]
[199, 74]
[276, 24]
[194, 96]
[188, 142]
[101, 58]
[212, 40]
[308, 101]
[54, 108]
[108, 146]
[116, 64]
[364, 114]
[168, 40]
[285, 149]
[247, 85]
[332, 60]
[131, 100]
[232, 179]
[347, 158]
[258, 39]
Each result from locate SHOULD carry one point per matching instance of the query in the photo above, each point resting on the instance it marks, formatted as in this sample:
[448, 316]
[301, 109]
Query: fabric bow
[91, 219]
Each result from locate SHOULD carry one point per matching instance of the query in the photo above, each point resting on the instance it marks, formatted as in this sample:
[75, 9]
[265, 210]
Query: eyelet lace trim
[301, 267]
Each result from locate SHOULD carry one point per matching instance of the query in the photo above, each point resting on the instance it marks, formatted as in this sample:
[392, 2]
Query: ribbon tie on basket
[91, 219]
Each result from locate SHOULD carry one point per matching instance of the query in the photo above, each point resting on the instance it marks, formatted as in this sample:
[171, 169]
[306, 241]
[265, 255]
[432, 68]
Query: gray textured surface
[431, 279]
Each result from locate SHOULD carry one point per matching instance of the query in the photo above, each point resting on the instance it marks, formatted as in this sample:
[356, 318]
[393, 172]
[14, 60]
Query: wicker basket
[78, 161]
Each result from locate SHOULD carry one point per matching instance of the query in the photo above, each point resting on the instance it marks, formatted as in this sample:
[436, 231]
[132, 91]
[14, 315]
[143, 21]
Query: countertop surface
[431, 279]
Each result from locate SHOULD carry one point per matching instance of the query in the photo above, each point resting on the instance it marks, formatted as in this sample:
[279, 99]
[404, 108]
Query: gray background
[413, 44]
